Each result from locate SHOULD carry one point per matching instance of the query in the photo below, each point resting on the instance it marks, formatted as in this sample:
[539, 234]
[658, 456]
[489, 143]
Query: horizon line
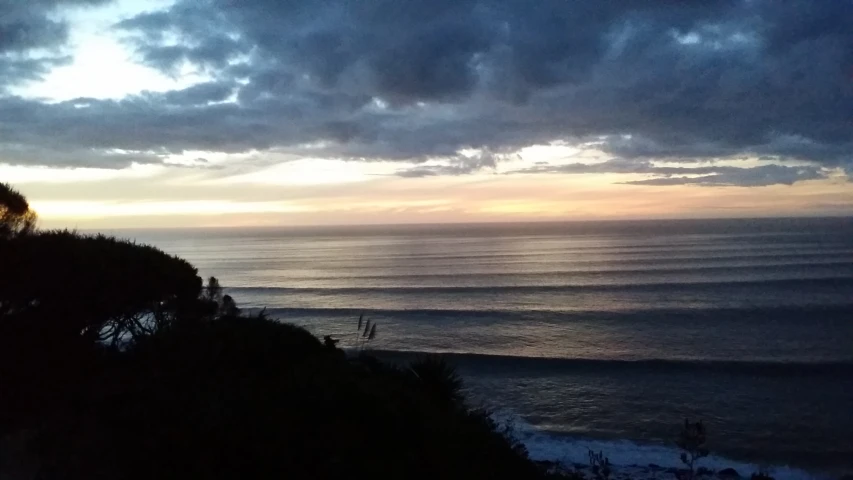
[470, 223]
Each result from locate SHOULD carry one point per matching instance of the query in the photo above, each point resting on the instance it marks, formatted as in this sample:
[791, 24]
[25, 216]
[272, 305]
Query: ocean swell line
[835, 281]
[490, 362]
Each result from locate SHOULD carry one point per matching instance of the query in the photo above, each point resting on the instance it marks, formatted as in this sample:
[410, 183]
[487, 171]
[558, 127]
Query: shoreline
[632, 460]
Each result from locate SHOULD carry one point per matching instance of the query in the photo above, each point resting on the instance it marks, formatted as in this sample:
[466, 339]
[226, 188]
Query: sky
[176, 113]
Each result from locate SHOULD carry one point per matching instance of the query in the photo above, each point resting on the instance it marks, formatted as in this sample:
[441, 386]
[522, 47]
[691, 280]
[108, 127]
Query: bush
[64, 284]
[249, 397]
[16, 218]
[65, 298]
[691, 440]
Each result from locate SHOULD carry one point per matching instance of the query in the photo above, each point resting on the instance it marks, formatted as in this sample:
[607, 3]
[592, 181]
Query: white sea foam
[631, 457]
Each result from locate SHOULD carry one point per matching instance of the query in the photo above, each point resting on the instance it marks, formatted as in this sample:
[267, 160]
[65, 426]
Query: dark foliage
[116, 363]
[704, 471]
[692, 441]
[761, 475]
[249, 397]
[16, 218]
[600, 465]
[65, 284]
[364, 337]
[438, 378]
[65, 298]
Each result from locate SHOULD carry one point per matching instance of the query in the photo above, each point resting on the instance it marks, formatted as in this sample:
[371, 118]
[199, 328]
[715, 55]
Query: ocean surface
[599, 334]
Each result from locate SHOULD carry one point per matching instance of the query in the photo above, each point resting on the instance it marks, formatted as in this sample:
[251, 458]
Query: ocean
[601, 335]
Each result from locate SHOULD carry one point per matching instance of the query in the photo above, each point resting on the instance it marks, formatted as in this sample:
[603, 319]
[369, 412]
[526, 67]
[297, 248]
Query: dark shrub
[243, 398]
[61, 294]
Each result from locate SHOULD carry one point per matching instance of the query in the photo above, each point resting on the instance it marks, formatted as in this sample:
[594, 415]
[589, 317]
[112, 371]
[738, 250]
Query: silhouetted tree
[213, 291]
[16, 218]
[64, 296]
[219, 303]
[120, 364]
[228, 307]
[67, 285]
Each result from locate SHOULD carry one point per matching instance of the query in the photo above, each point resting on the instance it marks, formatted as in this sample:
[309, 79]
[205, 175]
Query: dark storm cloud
[199, 32]
[415, 80]
[30, 39]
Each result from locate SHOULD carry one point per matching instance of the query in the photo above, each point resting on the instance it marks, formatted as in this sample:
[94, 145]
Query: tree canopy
[65, 296]
[16, 217]
[125, 366]
[73, 284]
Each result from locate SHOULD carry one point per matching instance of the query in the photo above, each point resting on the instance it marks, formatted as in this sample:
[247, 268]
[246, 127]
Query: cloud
[460, 165]
[199, 94]
[739, 177]
[712, 175]
[31, 39]
[190, 32]
[422, 80]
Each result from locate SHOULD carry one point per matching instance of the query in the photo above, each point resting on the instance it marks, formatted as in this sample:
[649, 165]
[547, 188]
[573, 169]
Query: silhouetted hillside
[115, 363]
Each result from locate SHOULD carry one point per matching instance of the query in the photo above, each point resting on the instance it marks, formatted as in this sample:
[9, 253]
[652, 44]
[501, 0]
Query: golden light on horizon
[88, 210]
